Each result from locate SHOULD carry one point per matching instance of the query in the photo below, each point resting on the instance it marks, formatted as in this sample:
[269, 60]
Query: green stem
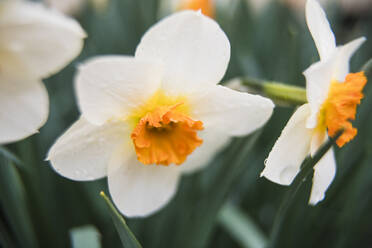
[306, 169]
[126, 236]
[278, 92]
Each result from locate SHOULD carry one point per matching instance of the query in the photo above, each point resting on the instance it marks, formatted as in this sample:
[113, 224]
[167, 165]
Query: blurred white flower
[34, 43]
[333, 95]
[146, 119]
[74, 7]
[69, 7]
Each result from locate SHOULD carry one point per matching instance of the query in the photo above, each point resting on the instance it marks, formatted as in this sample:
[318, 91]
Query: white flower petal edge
[84, 150]
[213, 142]
[198, 55]
[320, 75]
[317, 140]
[111, 86]
[231, 112]
[140, 190]
[343, 56]
[320, 29]
[290, 149]
[318, 79]
[22, 101]
[324, 172]
[23, 32]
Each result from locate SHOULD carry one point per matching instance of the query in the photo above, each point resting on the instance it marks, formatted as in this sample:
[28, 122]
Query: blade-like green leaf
[241, 227]
[9, 155]
[127, 237]
[13, 205]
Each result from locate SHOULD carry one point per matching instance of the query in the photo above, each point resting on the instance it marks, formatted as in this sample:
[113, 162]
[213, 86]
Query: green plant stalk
[278, 92]
[126, 236]
[306, 169]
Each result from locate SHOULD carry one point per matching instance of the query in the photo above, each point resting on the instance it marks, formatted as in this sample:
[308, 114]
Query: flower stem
[306, 169]
[280, 93]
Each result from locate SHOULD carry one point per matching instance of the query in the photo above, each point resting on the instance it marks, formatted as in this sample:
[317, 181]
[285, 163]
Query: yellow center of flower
[340, 107]
[206, 6]
[164, 133]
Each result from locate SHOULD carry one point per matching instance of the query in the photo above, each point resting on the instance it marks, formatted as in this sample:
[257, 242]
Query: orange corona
[206, 6]
[165, 134]
[340, 107]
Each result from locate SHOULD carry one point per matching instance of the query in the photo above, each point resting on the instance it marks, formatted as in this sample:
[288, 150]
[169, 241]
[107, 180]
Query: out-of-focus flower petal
[68, 7]
[24, 108]
[231, 112]
[138, 189]
[111, 86]
[84, 150]
[39, 41]
[324, 172]
[290, 149]
[193, 48]
[320, 29]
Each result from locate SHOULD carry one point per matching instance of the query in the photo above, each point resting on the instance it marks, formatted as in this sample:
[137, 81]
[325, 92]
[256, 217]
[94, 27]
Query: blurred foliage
[39, 208]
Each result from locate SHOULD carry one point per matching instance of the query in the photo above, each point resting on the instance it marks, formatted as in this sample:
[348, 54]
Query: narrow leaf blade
[126, 236]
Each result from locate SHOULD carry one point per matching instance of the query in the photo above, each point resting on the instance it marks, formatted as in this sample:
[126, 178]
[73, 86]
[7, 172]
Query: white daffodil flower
[333, 95]
[146, 119]
[34, 43]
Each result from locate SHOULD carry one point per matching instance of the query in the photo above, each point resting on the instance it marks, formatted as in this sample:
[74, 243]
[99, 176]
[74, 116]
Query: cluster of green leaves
[225, 205]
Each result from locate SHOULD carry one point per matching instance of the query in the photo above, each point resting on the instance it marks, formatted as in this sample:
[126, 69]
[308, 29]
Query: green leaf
[13, 204]
[85, 237]
[9, 155]
[127, 237]
[241, 227]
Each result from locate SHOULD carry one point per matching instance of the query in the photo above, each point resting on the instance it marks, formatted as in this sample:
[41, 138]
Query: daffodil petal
[343, 56]
[137, 189]
[35, 40]
[290, 149]
[320, 75]
[320, 29]
[213, 142]
[324, 172]
[83, 152]
[318, 79]
[24, 108]
[192, 47]
[229, 111]
[109, 87]
[318, 138]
